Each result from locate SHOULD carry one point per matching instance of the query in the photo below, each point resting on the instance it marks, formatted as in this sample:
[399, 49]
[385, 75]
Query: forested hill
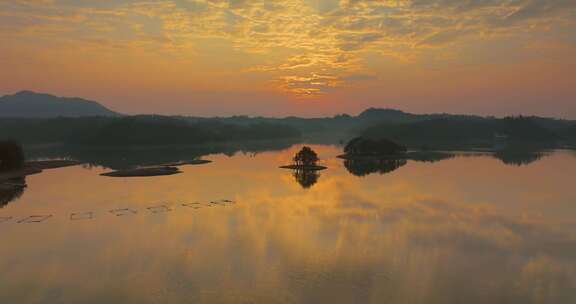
[445, 125]
[41, 118]
[514, 129]
[27, 104]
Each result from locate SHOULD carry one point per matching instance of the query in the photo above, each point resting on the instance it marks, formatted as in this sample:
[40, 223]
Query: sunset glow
[295, 57]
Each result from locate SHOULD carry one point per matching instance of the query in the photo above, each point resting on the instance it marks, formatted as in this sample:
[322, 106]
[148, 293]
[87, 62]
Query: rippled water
[468, 229]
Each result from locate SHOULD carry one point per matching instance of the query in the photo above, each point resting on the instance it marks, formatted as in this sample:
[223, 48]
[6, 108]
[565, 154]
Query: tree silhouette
[306, 157]
[518, 158]
[306, 178]
[11, 155]
[368, 166]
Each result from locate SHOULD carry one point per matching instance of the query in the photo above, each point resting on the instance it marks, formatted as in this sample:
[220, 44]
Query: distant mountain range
[27, 104]
[397, 116]
[49, 119]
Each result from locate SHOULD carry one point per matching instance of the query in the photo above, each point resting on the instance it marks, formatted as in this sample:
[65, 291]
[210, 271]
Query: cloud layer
[307, 48]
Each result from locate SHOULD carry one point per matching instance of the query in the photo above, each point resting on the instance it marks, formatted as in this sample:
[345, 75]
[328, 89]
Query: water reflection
[363, 167]
[468, 230]
[130, 157]
[430, 156]
[126, 158]
[11, 190]
[519, 157]
[306, 178]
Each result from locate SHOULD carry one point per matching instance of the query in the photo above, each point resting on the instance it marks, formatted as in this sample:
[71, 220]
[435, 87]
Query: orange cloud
[310, 47]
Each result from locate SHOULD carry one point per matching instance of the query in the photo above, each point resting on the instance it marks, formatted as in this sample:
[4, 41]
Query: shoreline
[36, 167]
[306, 168]
[144, 172]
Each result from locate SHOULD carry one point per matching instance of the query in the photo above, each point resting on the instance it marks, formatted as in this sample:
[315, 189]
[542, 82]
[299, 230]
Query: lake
[472, 228]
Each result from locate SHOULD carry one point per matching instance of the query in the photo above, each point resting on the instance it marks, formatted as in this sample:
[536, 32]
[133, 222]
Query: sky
[295, 57]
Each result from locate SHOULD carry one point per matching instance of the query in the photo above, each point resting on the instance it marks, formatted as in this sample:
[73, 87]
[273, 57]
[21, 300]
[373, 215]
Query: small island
[364, 156]
[366, 148]
[306, 160]
[305, 167]
[144, 172]
[188, 162]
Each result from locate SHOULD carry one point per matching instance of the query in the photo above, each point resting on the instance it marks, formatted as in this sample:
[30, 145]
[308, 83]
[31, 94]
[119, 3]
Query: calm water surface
[469, 229]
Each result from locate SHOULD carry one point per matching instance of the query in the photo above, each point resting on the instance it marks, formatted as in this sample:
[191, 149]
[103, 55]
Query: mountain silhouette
[390, 115]
[27, 104]
[397, 116]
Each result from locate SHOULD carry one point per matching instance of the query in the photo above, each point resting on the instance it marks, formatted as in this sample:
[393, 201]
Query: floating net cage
[82, 216]
[34, 219]
[123, 211]
[119, 212]
[159, 209]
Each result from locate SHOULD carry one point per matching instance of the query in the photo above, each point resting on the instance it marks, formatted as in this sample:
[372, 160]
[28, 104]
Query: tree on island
[11, 155]
[366, 146]
[305, 167]
[306, 157]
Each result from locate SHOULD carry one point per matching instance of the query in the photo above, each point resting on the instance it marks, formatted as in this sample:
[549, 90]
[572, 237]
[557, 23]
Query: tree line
[514, 129]
[137, 130]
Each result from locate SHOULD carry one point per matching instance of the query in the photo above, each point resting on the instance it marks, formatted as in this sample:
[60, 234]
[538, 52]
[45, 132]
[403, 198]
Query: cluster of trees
[306, 157]
[305, 167]
[11, 155]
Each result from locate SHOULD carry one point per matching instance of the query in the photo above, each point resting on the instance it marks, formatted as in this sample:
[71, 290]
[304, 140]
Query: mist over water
[465, 229]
